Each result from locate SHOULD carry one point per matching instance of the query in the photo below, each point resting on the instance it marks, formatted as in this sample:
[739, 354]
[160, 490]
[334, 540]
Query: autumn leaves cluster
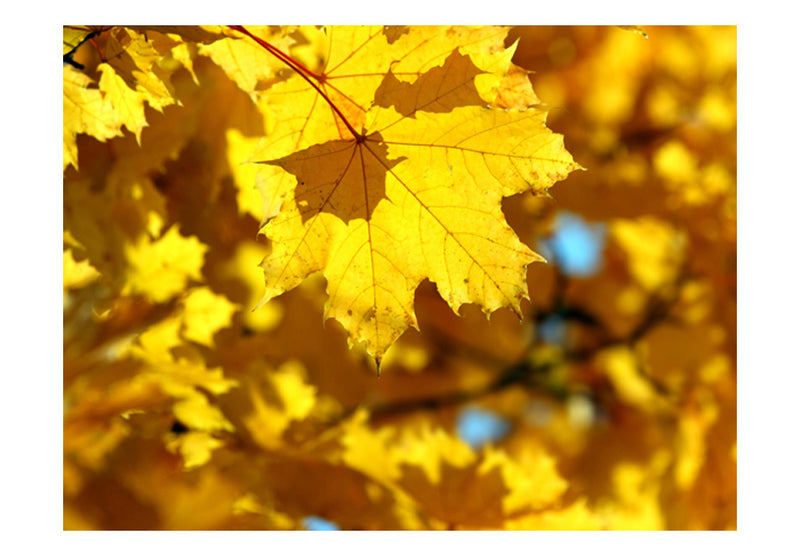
[388, 161]
[370, 172]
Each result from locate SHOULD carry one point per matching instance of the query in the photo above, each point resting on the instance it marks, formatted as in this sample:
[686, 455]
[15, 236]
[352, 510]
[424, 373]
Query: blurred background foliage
[612, 405]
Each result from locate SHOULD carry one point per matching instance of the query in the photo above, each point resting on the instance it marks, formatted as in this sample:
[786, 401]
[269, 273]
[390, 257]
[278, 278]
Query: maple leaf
[195, 447]
[396, 181]
[472, 489]
[244, 61]
[128, 103]
[77, 273]
[160, 269]
[85, 111]
[277, 399]
[205, 313]
[136, 60]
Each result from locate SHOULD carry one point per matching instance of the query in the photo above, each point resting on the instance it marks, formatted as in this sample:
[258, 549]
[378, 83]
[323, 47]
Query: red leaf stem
[303, 71]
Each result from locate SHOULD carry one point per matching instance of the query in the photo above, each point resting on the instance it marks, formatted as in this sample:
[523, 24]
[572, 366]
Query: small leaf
[161, 269]
[204, 314]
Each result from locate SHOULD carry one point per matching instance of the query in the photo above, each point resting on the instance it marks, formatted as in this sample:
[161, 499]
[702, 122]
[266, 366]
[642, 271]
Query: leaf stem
[303, 71]
[99, 50]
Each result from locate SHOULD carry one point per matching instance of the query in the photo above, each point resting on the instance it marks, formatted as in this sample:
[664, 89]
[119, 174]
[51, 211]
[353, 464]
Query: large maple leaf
[390, 164]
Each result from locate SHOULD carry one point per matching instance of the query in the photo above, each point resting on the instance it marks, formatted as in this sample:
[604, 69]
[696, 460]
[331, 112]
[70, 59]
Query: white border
[31, 235]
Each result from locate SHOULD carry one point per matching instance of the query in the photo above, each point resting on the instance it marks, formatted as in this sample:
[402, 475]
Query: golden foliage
[393, 185]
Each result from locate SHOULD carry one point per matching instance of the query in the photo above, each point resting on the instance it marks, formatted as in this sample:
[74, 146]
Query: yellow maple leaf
[397, 181]
[622, 368]
[459, 486]
[195, 411]
[448, 481]
[160, 269]
[277, 399]
[85, 111]
[77, 273]
[533, 483]
[156, 342]
[368, 450]
[430, 449]
[128, 103]
[191, 385]
[195, 447]
[635, 506]
[243, 60]
[183, 377]
[135, 60]
[204, 314]
[655, 249]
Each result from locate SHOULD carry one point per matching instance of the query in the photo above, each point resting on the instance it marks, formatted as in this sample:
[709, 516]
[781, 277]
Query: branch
[528, 373]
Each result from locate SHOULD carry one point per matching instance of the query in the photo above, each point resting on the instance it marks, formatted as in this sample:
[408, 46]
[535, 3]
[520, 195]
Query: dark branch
[68, 56]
